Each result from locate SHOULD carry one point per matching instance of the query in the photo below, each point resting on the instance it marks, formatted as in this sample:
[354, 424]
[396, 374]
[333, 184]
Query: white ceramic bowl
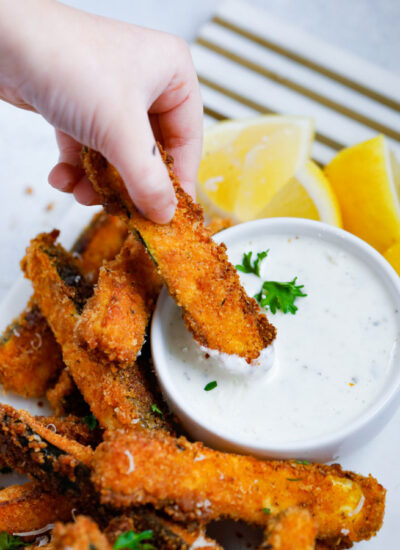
[326, 447]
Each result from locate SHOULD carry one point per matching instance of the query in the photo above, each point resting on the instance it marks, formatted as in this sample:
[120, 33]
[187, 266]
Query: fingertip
[163, 216]
[85, 194]
[64, 177]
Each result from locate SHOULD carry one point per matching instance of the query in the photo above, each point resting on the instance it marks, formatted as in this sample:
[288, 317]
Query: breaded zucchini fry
[65, 398]
[113, 324]
[27, 508]
[165, 534]
[30, 448]
[192, 482]
[215, 225]
[99, 242]
[117, 397]
[114, 320]
[30, 358]
[72, 427]
[293, 529]
[196, 270]
[83, 534]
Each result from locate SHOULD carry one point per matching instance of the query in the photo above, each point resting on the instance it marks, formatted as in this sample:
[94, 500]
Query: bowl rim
[386, 397]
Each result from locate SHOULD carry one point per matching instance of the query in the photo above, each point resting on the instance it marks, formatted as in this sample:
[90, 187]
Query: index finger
[182, 134]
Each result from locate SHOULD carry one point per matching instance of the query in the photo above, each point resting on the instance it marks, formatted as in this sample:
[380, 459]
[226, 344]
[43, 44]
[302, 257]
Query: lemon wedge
[245, 163]
[392, 255]
[306, 195]
[259, 168]
[366, 179]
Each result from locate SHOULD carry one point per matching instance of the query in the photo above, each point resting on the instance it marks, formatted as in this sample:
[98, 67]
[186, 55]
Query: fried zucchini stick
[99, 242]
[84, 534]
[65, 398]
[215, 225]
[191, 482]
[113, 324]
[27, 508]
[72, 427]
[117, 397]
[30, 358]
[31, 448]
[196, 270]
[64, 466]
[293, 529]
[165, 534]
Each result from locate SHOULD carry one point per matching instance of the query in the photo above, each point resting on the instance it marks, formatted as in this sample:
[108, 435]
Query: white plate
[380, 457]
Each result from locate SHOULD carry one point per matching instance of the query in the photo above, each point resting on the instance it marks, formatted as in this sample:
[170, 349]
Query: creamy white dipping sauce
[331, 359]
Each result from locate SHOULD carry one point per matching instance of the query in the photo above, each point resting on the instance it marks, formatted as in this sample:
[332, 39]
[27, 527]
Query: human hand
[111, 86]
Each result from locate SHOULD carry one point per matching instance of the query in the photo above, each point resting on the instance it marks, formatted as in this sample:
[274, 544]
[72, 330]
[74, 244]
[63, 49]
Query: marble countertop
[27, 145]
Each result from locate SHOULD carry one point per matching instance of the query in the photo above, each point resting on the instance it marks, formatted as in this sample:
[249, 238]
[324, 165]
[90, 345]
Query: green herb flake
[134, 541]
[155, 409]
[248, 267]
[305, 462]
[90, 421]
[266, 511]
[276, 295]
[294, 479]
[9, 542]
[211, 385]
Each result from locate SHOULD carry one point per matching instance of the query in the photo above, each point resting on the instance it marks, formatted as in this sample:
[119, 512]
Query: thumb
[133, 151]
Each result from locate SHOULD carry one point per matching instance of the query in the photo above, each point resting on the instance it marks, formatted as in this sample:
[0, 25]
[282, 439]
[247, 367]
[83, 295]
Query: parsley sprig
[248, 267]
[134, 541]
[90, 421]
[155, 409]
[276, 295]
[9, 542]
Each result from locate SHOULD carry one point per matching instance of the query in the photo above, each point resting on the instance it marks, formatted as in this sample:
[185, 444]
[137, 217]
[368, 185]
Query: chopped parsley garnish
[8, 542]
[294, 478]
[155, 409]
[134, 541]
[305, 462]
[90, 421]
[211, 385]
[266, 510]
[275, 295]
[248, 267]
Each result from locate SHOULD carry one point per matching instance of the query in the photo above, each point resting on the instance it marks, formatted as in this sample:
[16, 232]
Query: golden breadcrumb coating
[65, 398]
[27, 508]
[99, 242]
[117, 397]
[166, 535]
[215, 225]
[190, 481]
[83, 534]
[113, 323]
[59, 463]
[72, 427]
[293, 529]
[30, 358]
[196, 270]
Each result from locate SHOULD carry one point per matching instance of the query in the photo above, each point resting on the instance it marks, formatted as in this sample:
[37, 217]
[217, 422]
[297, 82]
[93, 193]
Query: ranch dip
[327, 365]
